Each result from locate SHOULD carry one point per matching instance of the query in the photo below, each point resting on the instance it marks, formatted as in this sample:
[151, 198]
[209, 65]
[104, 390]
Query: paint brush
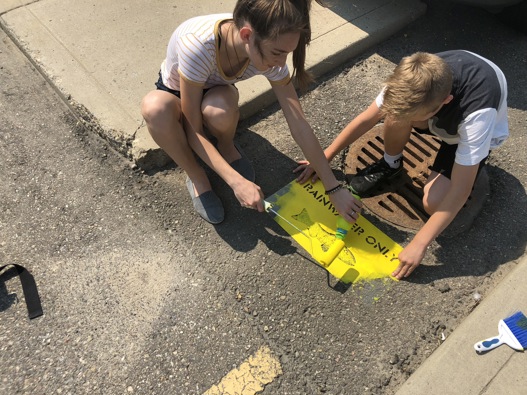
[512, 331]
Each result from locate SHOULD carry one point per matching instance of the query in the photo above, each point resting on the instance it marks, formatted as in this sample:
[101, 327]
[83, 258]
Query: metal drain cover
[399, 201]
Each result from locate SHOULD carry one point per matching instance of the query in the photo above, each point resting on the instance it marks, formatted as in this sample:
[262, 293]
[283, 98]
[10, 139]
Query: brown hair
[272, 18]
[420, 82]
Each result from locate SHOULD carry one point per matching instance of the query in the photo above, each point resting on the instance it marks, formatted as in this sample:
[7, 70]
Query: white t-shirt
[193, 54]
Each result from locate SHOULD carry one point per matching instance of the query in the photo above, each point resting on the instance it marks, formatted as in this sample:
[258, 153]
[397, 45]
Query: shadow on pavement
[7, 299]
[243, 228]
[497, 236]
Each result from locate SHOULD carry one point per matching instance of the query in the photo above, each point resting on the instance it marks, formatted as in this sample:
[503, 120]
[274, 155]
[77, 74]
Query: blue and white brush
[512, 331]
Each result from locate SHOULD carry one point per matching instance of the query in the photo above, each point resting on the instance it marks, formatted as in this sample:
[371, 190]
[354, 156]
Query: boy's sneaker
[373, 175]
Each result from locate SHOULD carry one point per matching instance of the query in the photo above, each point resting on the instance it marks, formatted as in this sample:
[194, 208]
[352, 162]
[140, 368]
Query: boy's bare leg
[162, 113]
[435, 190]
[396, 136]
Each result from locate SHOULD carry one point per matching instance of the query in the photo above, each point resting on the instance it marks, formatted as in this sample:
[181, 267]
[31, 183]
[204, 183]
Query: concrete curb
[455, 367]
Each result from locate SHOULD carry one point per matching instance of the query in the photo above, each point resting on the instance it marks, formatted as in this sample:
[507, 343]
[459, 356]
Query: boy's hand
[409, 258]
[305, 171]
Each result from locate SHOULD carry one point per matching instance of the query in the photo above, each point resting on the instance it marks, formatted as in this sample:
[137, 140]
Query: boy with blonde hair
[457, 96]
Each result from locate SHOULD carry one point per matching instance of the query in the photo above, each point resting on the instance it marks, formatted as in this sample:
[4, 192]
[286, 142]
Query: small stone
[443, 288]
[394, 359]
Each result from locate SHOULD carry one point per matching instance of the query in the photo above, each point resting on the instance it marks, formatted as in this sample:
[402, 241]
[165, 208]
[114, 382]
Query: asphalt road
[141, 296]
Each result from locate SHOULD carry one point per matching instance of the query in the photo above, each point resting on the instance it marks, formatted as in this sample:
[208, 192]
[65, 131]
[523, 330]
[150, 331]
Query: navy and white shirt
[476, 118]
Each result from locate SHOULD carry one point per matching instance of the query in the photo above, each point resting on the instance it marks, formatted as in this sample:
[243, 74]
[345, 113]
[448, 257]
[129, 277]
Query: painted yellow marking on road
[251, 376]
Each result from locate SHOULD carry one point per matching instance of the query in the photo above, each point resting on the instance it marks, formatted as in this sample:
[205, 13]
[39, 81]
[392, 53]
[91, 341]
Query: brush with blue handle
[512, 331]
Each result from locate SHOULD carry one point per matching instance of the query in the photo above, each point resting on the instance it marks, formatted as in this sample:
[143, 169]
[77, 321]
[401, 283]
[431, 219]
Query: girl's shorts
[162, 87]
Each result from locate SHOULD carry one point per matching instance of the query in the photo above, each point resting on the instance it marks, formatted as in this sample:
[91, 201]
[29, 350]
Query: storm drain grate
[399, 201]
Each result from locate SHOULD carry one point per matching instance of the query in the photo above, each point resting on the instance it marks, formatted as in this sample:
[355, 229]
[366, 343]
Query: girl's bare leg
[162, 113]
[220, 115]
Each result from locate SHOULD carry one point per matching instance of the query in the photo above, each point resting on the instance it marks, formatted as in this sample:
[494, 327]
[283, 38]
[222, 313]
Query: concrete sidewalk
[455, 367]
[103, 56]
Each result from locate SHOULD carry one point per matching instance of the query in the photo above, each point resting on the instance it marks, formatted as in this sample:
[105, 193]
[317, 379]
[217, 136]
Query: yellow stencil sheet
[369, 254]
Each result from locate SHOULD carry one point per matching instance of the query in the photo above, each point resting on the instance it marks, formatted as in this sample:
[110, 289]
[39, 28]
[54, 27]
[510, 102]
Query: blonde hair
[420, 82]
[272, 18]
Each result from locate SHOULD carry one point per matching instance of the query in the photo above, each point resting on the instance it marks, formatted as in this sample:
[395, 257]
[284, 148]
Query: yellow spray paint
[306, 213]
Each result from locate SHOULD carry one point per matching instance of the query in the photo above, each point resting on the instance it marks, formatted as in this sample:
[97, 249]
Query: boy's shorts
[446, 157]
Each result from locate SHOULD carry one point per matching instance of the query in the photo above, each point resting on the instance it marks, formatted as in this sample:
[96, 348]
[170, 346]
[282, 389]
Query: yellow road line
[251, 376]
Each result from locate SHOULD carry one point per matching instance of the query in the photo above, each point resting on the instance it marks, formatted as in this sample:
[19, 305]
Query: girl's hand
[249, 195]
[409, 258]
[305, 171]
[346, 204]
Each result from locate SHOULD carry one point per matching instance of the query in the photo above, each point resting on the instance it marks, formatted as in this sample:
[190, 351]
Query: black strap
[34, 307]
